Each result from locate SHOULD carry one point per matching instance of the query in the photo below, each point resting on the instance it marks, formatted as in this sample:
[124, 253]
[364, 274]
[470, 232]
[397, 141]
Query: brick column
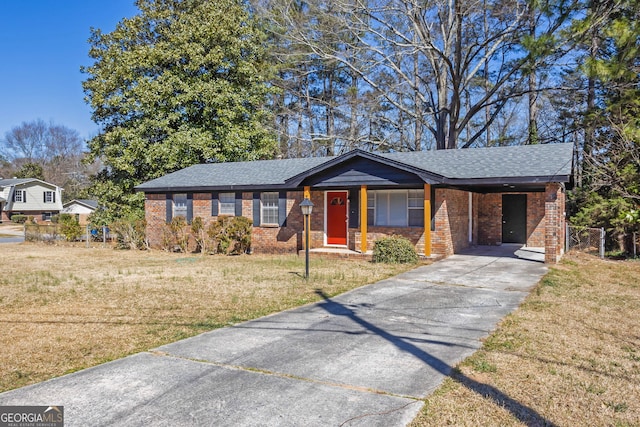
[554, 223]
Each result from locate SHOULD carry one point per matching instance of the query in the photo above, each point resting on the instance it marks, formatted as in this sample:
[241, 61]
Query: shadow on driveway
[523, 413]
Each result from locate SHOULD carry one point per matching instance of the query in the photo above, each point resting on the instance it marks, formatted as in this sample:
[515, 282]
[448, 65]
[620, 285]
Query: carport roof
[522, 165]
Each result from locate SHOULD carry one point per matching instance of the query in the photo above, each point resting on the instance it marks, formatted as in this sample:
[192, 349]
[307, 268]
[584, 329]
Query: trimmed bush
[19, 219]
[394, 250]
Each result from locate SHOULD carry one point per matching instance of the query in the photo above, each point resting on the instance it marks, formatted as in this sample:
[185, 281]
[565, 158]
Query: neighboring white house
[29, 196]
[81, 208]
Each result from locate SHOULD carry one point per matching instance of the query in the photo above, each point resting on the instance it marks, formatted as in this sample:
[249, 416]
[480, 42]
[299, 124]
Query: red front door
[337, 217]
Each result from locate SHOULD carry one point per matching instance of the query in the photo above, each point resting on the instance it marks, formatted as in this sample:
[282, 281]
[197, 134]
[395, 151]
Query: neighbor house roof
[525, 164]
[92, 204]
[14, 181]
[17, 181]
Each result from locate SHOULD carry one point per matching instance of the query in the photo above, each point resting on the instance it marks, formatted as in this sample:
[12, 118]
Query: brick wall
[414, 234]
[263, 240]
[451, 233]
[155, 215]
[555, 222]
[202, 206]
[535, 220]
[490, 219]
[545, 222]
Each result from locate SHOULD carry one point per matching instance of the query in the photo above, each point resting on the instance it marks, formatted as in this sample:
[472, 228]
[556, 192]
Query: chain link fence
[51, 233]
[590, 240]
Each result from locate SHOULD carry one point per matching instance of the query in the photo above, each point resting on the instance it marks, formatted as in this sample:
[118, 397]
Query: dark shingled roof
[234, 175]
[498, 162]
[551, 162]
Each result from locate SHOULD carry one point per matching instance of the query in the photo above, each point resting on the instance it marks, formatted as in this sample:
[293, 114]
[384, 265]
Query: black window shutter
[44, 197]
[14, 195]
[24, 196]
[238, 203]
[169, 208]
[189, 207]
[214, 204]
[54, 197]
[282, 208]
[354, 208]
[433, 208]
[256, 209]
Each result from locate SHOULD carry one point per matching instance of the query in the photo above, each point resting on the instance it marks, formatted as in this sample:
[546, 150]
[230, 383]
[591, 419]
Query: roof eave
[208, 188]
[516, 180]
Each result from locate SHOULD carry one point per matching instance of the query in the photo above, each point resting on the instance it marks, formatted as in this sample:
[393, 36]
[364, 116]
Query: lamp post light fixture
[306, 206]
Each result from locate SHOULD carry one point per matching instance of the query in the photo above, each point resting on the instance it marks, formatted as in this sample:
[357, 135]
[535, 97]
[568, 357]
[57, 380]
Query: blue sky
[43, 43]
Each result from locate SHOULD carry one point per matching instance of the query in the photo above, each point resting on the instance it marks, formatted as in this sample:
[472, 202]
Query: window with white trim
[20, 196]
[416, 208]
[269, 208]
[395, 208]
[180, 205]
[49, 197]
[227, 204]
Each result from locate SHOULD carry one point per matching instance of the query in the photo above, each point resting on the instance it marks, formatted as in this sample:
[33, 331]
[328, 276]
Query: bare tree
[57, 149]
[427, 58]
[40, 142]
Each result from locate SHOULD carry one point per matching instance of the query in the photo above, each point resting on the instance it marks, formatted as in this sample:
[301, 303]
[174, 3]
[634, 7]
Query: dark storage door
[514, 218]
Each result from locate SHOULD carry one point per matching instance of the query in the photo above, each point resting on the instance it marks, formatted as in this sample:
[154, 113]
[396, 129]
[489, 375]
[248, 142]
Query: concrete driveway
[11, 233]
[364, 358]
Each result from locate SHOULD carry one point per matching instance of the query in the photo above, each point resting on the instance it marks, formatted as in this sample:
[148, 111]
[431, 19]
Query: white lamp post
[306, 206]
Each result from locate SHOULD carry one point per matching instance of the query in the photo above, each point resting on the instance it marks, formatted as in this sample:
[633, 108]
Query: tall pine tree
[610, 196]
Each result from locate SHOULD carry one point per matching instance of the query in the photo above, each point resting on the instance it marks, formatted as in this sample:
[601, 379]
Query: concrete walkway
[365, 358]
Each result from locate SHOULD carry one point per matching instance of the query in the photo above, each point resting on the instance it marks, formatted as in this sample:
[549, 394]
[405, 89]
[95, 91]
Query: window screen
[180, 205]
[227, 203]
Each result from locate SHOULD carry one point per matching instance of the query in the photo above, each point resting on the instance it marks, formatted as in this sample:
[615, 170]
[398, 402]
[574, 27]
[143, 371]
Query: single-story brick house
[443, 201]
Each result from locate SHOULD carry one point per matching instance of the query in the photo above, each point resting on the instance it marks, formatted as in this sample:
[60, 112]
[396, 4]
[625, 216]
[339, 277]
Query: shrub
[19, 219]
[199, 235]
[230, 235]
[179, 232]
[130, 233]
[69, 227]
[394, 250]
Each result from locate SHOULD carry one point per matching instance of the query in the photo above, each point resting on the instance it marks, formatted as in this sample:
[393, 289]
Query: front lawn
[65, 308]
